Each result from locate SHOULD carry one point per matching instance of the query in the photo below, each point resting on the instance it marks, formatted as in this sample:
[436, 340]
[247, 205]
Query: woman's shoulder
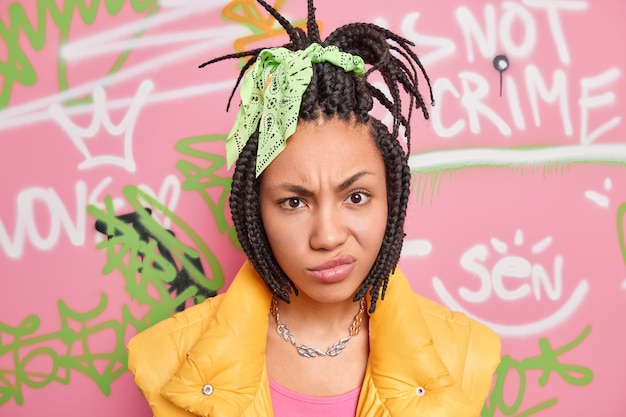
[184, 324]
[155, 354]
[447, 323]
[435, 312]
[470, 349]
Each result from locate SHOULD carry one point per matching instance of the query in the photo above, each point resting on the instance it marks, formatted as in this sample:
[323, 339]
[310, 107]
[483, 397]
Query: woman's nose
[328, 230]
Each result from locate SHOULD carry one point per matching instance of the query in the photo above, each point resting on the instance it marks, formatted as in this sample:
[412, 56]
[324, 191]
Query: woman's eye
[358, 198]
[292, 203]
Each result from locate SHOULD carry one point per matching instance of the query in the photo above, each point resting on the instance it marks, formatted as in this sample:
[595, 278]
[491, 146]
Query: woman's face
[324, 208]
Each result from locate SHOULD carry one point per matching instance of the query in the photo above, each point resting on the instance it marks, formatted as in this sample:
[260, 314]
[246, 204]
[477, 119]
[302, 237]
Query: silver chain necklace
[309, 352]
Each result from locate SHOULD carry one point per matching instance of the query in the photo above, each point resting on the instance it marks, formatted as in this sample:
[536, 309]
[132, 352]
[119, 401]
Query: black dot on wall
[501, 64]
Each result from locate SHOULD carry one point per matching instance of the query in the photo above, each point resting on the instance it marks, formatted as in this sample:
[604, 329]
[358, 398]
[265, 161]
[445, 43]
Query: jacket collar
[231, 356]
[406, 370]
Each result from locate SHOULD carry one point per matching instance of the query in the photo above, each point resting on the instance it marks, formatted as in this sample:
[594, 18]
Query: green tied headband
[272, 93]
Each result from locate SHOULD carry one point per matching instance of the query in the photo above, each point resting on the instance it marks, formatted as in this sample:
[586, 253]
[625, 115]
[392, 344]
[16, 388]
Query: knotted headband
[272, 93]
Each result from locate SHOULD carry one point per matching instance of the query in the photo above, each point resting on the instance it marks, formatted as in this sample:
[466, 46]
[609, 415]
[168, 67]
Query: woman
[319, 320]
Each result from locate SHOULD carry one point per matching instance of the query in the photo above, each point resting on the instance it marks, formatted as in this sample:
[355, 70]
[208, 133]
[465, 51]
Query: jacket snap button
[420, 391]
[207, 389]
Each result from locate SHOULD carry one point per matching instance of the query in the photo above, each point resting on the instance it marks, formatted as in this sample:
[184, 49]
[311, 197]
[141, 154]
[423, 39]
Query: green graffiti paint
[19, 69]
[621, 213]
[151, 260]
[132, 254]
[68, 349]
[204, 178]
[547, 362]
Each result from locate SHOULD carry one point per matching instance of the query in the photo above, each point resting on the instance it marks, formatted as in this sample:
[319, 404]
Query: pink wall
[517, 216]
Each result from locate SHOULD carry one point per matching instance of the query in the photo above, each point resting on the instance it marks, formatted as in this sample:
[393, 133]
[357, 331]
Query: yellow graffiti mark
[248, 13]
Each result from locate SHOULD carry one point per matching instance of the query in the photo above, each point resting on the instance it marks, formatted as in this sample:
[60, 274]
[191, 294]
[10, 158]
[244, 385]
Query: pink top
[287, 403]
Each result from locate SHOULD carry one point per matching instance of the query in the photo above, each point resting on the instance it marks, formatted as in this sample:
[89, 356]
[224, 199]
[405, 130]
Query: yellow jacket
[414, 343]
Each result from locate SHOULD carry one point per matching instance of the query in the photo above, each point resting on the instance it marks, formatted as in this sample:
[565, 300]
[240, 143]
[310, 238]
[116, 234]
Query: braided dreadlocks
[333, 92]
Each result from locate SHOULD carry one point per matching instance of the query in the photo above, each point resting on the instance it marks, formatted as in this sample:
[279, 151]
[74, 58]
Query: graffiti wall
[113, 186]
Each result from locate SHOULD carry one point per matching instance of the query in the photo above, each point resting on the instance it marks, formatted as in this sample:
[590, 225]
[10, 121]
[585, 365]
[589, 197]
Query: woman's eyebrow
[352, 179]
[293, 188]
[301, 190]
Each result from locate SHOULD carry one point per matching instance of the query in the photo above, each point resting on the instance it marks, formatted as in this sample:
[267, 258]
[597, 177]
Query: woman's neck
[318, 326]
[305, 313]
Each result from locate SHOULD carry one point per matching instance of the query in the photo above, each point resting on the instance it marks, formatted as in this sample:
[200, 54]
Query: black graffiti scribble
[182, 281]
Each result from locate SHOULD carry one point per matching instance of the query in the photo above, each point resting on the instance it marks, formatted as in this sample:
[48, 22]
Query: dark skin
[323, 376]
[324, 207]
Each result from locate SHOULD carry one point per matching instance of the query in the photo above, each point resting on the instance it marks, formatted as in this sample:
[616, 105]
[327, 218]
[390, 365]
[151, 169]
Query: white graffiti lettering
[116, 40]
[601, 200]
[416, 247]
[588, 102]
[443, 47]
[552, 9]
[513, 278]
[500, 31]
[101, 119]
[58, 217]
[494, 35]
[44, 233]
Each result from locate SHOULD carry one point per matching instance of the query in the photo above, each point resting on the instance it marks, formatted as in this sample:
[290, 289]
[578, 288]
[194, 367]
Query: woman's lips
[337, 269]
